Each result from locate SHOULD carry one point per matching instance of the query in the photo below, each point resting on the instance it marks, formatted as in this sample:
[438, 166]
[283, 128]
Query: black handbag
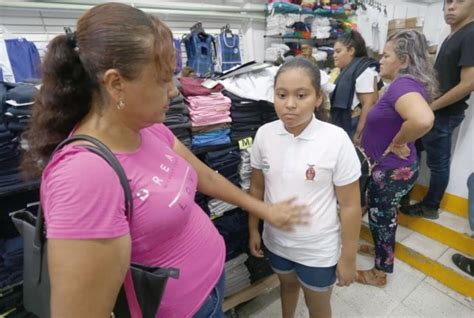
[149, 282]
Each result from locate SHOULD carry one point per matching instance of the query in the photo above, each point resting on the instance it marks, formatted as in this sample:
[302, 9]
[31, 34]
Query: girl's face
[295, 99]
[390, 64]
[343, 55]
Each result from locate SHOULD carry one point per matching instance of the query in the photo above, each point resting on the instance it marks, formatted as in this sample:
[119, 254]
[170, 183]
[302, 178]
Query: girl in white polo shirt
[302, 157]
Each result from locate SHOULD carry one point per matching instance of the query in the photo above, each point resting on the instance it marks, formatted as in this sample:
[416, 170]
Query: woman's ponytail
[64, 99]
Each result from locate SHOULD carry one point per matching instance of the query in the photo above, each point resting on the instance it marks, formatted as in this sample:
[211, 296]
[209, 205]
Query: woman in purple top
[401, 116]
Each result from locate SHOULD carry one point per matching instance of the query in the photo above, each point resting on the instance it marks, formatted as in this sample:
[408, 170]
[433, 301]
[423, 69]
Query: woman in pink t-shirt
[112, 79]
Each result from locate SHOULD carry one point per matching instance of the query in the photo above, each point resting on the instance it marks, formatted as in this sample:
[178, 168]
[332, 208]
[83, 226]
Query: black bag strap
[103, 151]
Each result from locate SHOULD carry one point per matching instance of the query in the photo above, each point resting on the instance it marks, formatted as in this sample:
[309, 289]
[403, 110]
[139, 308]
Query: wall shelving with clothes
[41, 25]
[307, 28]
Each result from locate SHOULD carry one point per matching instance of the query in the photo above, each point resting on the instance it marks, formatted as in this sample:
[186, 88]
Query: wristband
[398, 145]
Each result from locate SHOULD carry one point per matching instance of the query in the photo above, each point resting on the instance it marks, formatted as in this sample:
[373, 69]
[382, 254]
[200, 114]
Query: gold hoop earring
[120, 105]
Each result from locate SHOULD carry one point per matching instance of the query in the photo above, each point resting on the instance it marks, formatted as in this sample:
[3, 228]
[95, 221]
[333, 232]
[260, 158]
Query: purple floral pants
[385, 189]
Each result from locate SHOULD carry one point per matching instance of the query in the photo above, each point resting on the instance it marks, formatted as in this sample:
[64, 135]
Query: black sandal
[464, 263]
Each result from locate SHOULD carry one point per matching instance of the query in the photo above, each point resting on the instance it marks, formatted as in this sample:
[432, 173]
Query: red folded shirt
[192, 87]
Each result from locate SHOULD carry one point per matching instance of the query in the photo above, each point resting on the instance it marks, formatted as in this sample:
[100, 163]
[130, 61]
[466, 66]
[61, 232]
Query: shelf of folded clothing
[313, 40]
[19, 188]
[205, 149]
[260, 287]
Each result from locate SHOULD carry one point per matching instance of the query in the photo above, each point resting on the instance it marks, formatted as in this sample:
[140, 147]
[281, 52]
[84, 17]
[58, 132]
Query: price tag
[209, 83]
[245, 143]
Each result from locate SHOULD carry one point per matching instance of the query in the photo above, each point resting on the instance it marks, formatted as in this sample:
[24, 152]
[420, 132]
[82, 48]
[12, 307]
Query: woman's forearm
[411, 130]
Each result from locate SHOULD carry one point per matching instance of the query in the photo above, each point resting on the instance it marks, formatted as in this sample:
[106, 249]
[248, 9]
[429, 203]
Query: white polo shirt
[307, 167]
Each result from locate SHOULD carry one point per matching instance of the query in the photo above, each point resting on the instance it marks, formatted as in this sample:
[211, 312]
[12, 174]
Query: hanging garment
[19, 60]
[228, 51]
[199, 51]
[179, 56]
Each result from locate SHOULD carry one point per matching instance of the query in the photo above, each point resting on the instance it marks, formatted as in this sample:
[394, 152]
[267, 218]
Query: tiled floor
[424, 245]
[409, 293]
[453, 222]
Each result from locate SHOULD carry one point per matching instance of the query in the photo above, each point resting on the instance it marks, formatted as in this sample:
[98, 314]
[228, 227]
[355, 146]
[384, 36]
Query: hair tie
[70, 37]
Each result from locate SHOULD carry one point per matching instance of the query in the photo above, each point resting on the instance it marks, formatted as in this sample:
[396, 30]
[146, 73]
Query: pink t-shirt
[82, 199]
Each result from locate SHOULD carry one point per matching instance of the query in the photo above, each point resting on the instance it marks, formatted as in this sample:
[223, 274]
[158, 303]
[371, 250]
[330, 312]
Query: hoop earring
[120, 105]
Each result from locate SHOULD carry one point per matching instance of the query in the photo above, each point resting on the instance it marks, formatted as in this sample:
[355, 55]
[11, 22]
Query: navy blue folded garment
[202, 200]
[236, 136]
[18, 112]
[221, 157]
[19, 125]
[11, 279]
[20, 312]
[11, 301]
[22, 93]
[238, 117]
[10, 183]
[233, 226]
[10, 250]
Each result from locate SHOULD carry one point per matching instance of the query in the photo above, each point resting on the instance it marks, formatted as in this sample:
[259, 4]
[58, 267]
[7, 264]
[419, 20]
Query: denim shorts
[212, 306]
[318, 279]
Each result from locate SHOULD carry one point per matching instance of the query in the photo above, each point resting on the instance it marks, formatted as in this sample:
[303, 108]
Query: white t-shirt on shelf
[306, 167]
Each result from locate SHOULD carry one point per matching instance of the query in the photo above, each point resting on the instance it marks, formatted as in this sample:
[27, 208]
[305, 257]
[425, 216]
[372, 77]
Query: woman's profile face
[343, 55]
[390, 64]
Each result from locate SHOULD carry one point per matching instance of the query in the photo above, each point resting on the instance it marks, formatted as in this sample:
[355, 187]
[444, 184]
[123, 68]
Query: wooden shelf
[258, 288]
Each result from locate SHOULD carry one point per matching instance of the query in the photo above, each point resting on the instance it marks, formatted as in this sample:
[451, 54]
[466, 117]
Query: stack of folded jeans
[16, 100]
[217, 208]
[245, 169]
[202, 200]
[268, 112]
[233, 226]
[177, 120]
[10, 299]
[11, 262]
[226, 162]
[237, 276]
[9, 159]
[248, 115]
[16, 108]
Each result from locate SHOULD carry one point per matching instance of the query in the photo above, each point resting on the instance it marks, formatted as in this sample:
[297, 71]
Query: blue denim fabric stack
[16, 101]
[11, 262]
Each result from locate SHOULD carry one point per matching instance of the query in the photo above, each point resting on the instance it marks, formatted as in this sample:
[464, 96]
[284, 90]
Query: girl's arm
[348, 197]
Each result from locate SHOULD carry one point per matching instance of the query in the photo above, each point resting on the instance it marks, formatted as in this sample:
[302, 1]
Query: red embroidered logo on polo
[310, 173]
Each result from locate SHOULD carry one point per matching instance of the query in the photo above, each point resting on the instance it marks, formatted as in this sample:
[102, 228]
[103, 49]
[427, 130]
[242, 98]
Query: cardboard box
[390, 32]
[410, 23]
[396, 24]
